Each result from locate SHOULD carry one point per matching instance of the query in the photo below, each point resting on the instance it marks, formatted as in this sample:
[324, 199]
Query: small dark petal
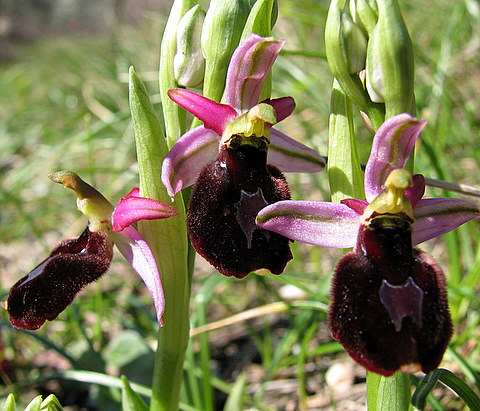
[226, 198]
[49, 288]
[389, 303]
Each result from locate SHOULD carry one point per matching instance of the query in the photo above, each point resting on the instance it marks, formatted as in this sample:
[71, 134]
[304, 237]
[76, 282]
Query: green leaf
[259, 20]
[9, 404]
[450, 380]
[235, 401]
[131, 401]
[125, 348]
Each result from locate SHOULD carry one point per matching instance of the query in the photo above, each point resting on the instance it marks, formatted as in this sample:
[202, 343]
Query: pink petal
[133, 208]
[248, 70]
[391, 148]
[187, 158]
[291, 156]
[283, 106]
[137, 252]
[215, 116]
[312, 222]
[358, 206]
[415, 193]
[437, 216]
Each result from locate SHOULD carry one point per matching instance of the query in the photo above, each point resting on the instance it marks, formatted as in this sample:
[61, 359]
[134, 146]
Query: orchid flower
[227, 158]
[389, 304]
[50, 287]
[248, 69]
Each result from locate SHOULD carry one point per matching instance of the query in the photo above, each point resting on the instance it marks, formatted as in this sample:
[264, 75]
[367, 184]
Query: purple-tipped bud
[390, 308]
[226, 198]
[49, 288]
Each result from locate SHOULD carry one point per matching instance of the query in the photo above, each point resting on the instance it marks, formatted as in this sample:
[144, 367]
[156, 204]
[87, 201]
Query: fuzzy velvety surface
[221, 218]
[390, 308]
[50, 287]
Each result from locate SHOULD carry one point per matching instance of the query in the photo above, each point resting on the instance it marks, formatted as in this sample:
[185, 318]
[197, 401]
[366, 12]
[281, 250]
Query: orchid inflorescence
[385, 293]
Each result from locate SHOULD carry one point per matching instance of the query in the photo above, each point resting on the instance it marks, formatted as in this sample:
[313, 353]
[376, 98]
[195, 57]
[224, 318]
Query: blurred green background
[64, 105]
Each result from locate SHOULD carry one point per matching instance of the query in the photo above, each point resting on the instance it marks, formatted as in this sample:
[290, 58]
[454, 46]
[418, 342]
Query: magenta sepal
[133, 208]
[137, 252]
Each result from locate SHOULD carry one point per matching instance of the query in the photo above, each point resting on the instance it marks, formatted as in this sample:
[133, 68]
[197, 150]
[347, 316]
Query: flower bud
[364, 14]
[389, 69]
[345, 49]
[354, 44]
[188, 63]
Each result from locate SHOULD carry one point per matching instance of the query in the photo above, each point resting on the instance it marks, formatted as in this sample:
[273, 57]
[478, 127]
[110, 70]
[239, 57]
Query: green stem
[169, 244]
[344, 172]
[388, 393]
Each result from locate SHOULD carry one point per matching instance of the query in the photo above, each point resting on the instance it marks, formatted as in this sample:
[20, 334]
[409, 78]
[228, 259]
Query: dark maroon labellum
[389, 304]
[49, 288]
[226, 198]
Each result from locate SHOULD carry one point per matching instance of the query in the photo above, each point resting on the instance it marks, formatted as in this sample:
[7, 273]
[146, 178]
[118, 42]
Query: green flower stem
[168, 241]
[388, 393]
[344, 172]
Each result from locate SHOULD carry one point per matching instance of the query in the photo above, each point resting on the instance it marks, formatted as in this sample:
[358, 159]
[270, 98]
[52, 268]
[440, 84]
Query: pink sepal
[133, 208]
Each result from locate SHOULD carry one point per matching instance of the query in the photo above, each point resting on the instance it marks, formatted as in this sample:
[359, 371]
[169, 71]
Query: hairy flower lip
[50, 287]
[404, 291]
[221, 216]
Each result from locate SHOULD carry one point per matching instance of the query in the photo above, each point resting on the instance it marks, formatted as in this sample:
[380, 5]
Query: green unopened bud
[389, 70]
[339, 33]
[221, 34]
[354, 44]
[51, 403]
[261, 18]
[174, 127]
[188, 63]
[364, 15]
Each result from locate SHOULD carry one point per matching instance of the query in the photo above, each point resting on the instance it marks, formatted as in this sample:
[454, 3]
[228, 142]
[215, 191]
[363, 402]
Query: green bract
[390, 71]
